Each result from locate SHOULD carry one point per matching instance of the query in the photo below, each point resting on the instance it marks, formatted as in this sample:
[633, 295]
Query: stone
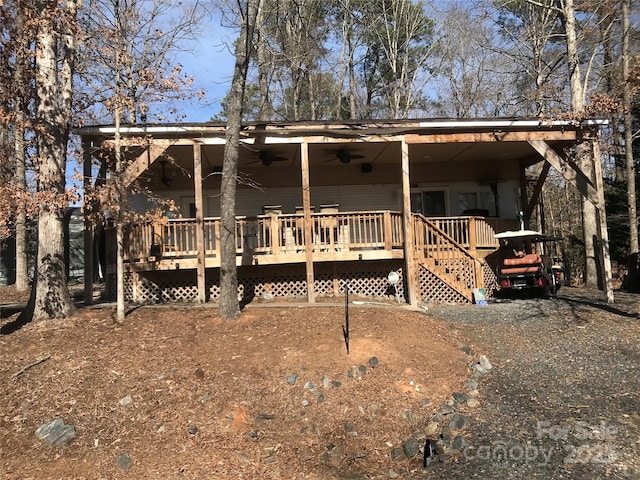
[474, 392]
[363, 370]
[348, 427]
[459, 443]
[392, 474]
[459, 422]
[291, 379]
[411, 447]
[373, 362]
[472, 384]
[325, 382]
[270, 459]
[124, 461]
[56, 433]
[477, 368]
[484, 362]
[397, 454]
[409, 417]
[467, 349]
[192, 430]
[335, 384]
[431, 428]
[125, 400]
[321, 398]
[426, 402]
[199, 373]
[473, 402]
[305, 402]
[446, 409]
[243, 458]
[460, 397]
[438, 418]
[309, 386]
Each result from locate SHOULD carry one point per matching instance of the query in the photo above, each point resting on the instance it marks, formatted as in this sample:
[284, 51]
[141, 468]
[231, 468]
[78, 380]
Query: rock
[243, 458]
[478, 369]
[468, 350]
[460, 397]
[325, 382]
[333, 455]
[392, 475]
[320, 398]
[431, 428]
[373, 362]
[309, 386]
[411, 447]
[473, 402]
[56, 433]
[363, 370]
[430, 453]
[425, 402]
[349, 428]
[291, 379]
[125, 400]
[199, 373]
[204, 398]
[124, 461]
[459, 443]
[472, 384]
[459, 422]
[192, 430]
[438, 418]
[484, 362]
[410, 417]
[270, 459]
[335, 384]
[397, 454]
[305, 402]
[474, 392]
[446, 409]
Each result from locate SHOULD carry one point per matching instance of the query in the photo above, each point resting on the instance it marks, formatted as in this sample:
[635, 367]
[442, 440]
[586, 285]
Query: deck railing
[284, 234]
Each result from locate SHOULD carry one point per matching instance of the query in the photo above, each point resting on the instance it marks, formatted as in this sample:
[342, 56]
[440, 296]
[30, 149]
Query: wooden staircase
[446, 259]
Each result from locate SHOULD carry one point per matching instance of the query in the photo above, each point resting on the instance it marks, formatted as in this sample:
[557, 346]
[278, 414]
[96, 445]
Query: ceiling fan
[345, 156]
[266, 158]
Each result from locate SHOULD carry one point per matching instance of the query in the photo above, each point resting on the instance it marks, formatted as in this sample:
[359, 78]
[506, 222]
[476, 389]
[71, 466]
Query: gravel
[563, 398]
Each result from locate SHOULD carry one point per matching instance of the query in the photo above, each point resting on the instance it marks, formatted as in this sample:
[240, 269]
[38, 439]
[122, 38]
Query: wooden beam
[493, 137]
[410, 277]
[569, 170]
[602, 224]
[200, 246]
[537, 190]
[144, 160]
[308, 230]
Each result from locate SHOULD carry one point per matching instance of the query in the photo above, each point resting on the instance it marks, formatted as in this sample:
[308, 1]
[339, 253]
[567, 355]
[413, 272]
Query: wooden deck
[278, 239]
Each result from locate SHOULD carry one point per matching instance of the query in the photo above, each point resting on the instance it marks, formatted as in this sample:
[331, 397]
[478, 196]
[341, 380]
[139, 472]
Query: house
[322, 205]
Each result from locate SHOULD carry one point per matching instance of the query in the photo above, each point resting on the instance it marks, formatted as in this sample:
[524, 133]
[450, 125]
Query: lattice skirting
[434, 290]
[489, 269]
[366, 279]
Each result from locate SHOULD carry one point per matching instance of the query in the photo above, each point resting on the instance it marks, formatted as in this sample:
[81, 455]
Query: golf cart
[522, 269]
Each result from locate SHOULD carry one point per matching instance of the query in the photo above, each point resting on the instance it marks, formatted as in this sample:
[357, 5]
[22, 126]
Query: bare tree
[229, 304]
[55, 55]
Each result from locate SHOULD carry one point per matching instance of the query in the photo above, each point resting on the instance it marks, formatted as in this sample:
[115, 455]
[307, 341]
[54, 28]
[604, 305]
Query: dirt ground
[175, 392]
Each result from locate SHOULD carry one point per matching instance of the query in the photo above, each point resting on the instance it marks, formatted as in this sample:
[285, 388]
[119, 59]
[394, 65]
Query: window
[476, 203]
[430, 203]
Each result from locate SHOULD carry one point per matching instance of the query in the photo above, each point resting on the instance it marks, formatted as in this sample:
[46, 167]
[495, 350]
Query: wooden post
[603, 235]
[407, 226]
[473, 238]
[200, 246]
[308, 230]
[388, 231]
[88, 228]
[524, 202]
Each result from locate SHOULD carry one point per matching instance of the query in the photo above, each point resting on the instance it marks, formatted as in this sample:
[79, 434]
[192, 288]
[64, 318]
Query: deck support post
[410, 277]
[88, 228]
[197, 183]
[308, 230]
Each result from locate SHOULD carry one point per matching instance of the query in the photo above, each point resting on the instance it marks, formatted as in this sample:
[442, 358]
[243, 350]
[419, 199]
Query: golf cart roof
[530, 235]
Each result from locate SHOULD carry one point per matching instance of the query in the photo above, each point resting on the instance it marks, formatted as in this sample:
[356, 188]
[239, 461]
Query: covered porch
[423, 198]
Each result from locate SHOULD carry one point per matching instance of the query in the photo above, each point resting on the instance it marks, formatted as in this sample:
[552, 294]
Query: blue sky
[211, 64]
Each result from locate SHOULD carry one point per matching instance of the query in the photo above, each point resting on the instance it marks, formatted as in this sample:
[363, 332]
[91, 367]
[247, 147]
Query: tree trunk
[266, 109]
[22, 264]
[50, 295]
[584, 158]
[628, 133]
[229, 304]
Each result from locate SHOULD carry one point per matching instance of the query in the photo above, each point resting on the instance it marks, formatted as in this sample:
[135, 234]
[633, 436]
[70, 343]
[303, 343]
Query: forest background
[68, 64]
